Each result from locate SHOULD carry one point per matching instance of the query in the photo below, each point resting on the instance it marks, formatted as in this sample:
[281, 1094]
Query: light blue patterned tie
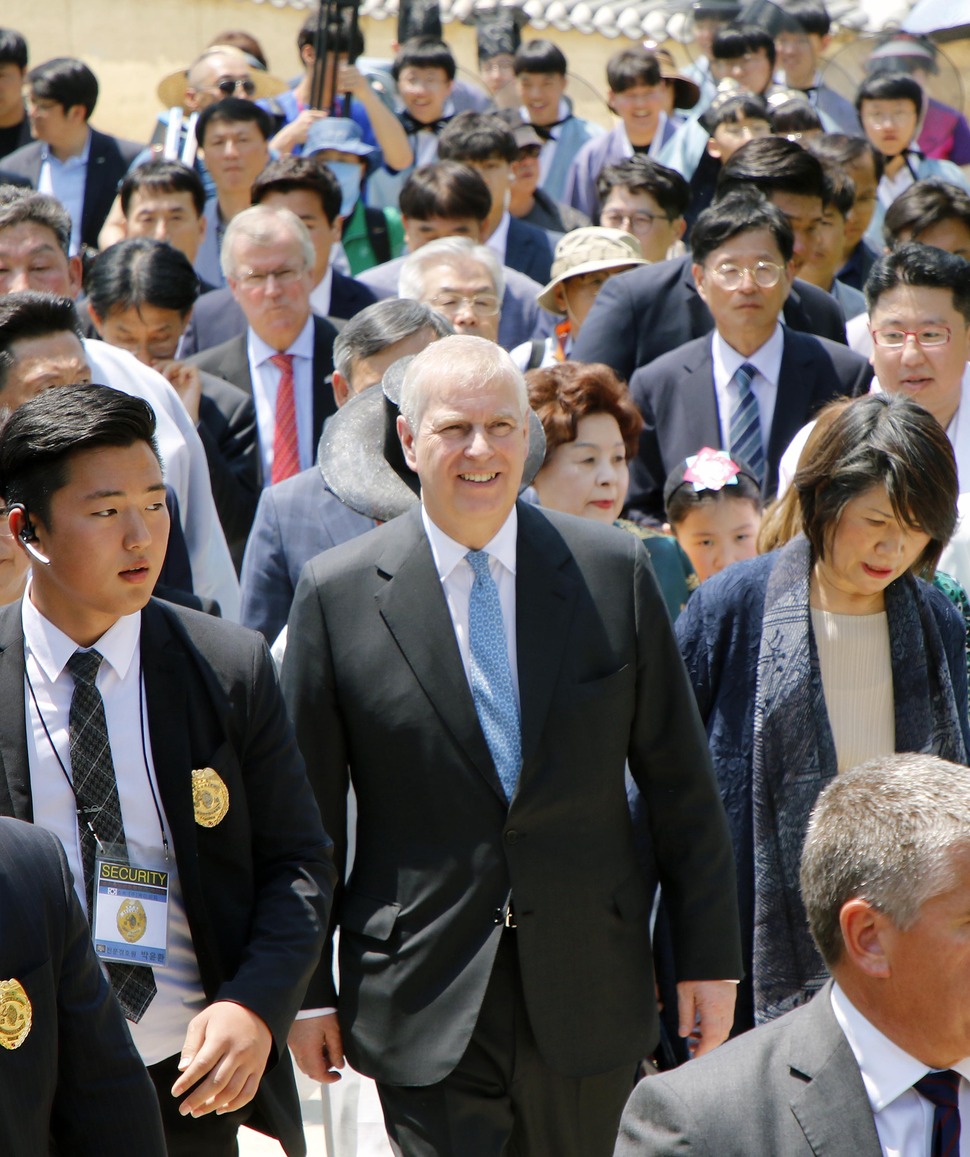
[491, 674]
[746, 424]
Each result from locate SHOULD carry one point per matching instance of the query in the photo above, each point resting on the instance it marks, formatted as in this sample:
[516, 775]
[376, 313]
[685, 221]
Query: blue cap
[338, 133]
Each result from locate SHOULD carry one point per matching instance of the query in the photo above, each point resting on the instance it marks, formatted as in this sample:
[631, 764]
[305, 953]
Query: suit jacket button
[511, 836]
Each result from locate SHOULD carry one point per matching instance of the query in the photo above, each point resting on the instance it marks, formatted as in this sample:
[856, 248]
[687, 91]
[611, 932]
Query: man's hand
[351, 79]
[186, 382]
[295, 133]
[705, 1009]
[317, 1047]
[229, 1043]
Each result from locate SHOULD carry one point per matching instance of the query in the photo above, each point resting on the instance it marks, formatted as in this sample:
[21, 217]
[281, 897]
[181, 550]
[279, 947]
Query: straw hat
[171, 89]
[589, 250]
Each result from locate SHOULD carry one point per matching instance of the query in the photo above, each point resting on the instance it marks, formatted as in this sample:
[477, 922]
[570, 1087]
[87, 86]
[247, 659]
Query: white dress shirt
[184, 466]
[767, 361]
[457, 579]
[161, 1031]
[904, 1119]
[66, 180]
[321, 294]
[266, 381]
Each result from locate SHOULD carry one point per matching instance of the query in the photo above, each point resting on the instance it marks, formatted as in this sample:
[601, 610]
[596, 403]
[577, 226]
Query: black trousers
[208, 1136]
[503, 1100]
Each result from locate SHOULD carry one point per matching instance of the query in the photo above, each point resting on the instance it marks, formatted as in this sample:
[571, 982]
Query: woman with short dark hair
[823, 654]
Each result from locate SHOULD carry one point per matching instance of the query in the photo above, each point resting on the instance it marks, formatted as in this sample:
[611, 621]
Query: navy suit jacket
[76, 1083]
[108, 162]
[217, 317]
[521, 320]
[529, 250]
[295, 520]
[675, 395]
[230, 361]
[639, 315]
[791, 1087]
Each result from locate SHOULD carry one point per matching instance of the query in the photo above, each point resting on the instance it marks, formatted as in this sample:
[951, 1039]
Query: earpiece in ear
[27, 535]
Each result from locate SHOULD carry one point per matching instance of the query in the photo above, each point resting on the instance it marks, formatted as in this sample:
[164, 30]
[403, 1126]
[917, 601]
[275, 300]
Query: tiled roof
[634, 19]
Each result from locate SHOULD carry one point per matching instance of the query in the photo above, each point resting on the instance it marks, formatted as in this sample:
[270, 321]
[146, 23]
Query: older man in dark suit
[879, 1061]
[751, 385]
[95, 1099]
[482, 672]
[154, 742]
[285, 357]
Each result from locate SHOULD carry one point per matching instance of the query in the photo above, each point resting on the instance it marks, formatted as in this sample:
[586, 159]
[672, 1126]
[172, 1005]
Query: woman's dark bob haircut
[882, 440]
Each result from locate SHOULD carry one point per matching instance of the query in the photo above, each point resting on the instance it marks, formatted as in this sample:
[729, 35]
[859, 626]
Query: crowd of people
[482, 597]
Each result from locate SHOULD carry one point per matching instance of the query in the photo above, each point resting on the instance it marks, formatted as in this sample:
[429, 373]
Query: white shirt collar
[51, 648]
[448, 554]
[766, 359]
[498, 241]
[302, 348]
[887, 1071]
[320, 298]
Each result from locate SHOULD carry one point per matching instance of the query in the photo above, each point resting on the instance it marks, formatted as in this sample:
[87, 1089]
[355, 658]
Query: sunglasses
[230, 85]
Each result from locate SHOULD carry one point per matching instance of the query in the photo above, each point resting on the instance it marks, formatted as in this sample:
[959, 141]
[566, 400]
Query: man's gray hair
[447, 251]
[462, 360]
[261, 225]
[380, 325]
[885, 832]
[20, 206]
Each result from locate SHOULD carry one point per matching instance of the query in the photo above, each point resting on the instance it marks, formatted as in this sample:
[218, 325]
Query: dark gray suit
[791, 1088]
[377, 690]
[675, 395]
[76, 1082]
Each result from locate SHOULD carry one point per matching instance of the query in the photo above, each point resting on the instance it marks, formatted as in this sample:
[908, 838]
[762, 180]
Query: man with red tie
[285, 357]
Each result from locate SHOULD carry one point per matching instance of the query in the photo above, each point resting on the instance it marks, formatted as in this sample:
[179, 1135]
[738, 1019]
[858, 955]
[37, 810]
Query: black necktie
[942, 1091]
[415, 126]
[96, 791]
[545, 131]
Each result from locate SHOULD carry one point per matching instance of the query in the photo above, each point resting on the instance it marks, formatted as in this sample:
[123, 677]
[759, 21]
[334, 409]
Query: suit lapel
[697, 401]
[235, 365]
[544, 598]
[93, 182]
[832, 1107]
[792, 400]
[324, 404]
[15, 780]
[413, 607]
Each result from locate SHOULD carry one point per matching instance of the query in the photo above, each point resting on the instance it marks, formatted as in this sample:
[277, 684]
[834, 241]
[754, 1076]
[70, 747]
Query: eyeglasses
[531, 151]
[766, 275]
[255, 282]
[878, 117]
[230, 85]
[481, 304]
[928, 338]
[640, 221]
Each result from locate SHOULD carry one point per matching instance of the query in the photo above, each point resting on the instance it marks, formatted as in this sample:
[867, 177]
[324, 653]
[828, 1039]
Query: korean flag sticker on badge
[16, 1014]
[210, 797]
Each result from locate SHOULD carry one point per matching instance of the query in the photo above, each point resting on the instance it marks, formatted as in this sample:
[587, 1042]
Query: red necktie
[286, 451]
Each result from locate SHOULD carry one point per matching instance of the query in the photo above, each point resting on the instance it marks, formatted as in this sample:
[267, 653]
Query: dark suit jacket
[791, 1088]
[108, 162]
[528, 250]
[257, 886]
[649, 311]
[231, 362]
[227, 427]
[295, 520]
[76, 1081]
[377, 689]
[676, 397]
[23, 138]
[216, 316]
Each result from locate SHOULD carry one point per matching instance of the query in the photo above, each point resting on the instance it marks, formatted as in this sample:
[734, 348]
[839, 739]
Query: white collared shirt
[161, 1031]
[457, 579]
[904, 1119]
[767, 361]
[499, 239]
[321, 294]
[266, 381]
[66, 180]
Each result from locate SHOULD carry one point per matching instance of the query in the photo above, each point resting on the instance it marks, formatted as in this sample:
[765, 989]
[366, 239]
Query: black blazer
[791, 1088]
[675, 395]
[529, 250]
[108, 162]
[217, 317]
[378, 693]
[76, 1083]
[230, 361]
[257, 886]
[649, 311]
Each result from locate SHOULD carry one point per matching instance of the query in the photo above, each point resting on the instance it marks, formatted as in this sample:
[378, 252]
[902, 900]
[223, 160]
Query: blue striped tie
[491, 674]
[746, 424]
[942, 1090]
